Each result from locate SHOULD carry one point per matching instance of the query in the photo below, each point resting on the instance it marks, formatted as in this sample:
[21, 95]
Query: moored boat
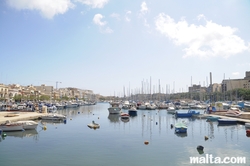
[115, 108]
[28, 124]
[93, 125]
[124, 116]
[227, 122]
[9, 126]
[53, 116]
[180, 128]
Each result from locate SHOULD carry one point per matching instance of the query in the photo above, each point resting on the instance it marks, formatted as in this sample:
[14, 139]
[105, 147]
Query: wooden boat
[8, 126]
[227, 122]
[93, 125]
[180, 128]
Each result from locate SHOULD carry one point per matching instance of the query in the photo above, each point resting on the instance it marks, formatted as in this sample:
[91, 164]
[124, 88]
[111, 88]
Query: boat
[233, 111]
[180, 128]
[124, 116]
[171, 110]
[9, 126]
[188, 114]
[28, 124]
[227, 122]
[115, 108]
[247, 125]
[93, 125]
[53, 116]
[132, 111]
[71, 104]
[212, 118]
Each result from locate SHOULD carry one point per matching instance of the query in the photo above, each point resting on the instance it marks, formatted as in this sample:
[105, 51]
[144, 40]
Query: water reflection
[114, 118]
[181, 134]
[23, 134]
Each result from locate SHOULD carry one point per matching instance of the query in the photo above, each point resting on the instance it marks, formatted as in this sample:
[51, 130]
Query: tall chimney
[210, 78]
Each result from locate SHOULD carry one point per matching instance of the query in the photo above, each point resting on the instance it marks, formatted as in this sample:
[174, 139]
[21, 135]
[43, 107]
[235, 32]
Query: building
[230, 84]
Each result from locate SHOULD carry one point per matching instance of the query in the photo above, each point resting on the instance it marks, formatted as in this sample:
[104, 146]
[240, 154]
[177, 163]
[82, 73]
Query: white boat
[247, 125]
[93, 125]
[9, 126]
[115, 108]
[71, 104]
[53, 116]
[28, 124]
[233, 111]
[171, 110]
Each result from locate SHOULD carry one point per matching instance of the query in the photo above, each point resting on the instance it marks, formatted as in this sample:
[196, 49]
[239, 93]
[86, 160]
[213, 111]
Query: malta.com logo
[209, 159]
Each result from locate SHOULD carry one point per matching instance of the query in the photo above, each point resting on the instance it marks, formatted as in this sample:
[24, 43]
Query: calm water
[119, 143]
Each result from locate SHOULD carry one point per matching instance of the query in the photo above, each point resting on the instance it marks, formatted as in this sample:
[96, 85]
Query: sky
[117, 47]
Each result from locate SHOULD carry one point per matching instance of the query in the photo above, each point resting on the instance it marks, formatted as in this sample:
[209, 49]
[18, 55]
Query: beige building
[231, 84]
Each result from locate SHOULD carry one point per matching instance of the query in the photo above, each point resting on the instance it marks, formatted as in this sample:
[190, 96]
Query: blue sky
[106, 45]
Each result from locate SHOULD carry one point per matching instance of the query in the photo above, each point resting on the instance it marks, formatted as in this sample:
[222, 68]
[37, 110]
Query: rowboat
[93, 125]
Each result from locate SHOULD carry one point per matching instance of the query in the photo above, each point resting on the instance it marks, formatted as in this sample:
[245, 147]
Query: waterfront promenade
[16, 116]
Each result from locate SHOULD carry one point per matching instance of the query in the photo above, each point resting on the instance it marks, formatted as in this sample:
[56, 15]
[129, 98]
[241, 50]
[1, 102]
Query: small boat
[171, 110]
[188, 114]
[28, 124]
[132, 111]
[212, 118]
[124, 116]
[233, 111]
[180, 128]
[9, 126]
[115, 108]
[247, 125]
[93, 125]
[227, 122]
[53, 116]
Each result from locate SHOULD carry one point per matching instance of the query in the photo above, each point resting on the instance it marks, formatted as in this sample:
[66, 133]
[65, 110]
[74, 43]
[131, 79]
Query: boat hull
[114, 110]
[17, 127]
[227, 122]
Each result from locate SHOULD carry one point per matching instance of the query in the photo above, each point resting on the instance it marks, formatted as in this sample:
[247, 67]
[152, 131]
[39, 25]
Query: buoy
[44, 128]
[146, 142]
[248, 131]
[70, 119]
[156, 123]
[206, 137]
[171, 126]
[78, 112]
[200, 147]
[98, 117]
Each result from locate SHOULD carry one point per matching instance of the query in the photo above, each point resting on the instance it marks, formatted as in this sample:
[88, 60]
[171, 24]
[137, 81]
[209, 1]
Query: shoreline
[18, 116]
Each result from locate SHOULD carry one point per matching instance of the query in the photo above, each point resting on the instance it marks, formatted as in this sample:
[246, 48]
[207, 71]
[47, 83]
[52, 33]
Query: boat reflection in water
[114, 118]
[181, 134]
[22, 134]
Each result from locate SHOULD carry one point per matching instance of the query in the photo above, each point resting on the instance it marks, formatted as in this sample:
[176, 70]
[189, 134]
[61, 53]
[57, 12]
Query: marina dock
[17, 116]
[244, 118]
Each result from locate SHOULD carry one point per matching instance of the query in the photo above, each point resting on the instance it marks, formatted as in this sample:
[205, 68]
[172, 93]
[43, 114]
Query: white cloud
[48, 8]
[94, 3]
[204, 41]
[97, 20]
[115, 15]
[144, 8]
[235, 73]
[127, 16]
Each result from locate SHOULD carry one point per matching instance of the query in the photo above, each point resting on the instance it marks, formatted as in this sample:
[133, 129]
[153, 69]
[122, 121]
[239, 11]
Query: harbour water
[118, 143]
